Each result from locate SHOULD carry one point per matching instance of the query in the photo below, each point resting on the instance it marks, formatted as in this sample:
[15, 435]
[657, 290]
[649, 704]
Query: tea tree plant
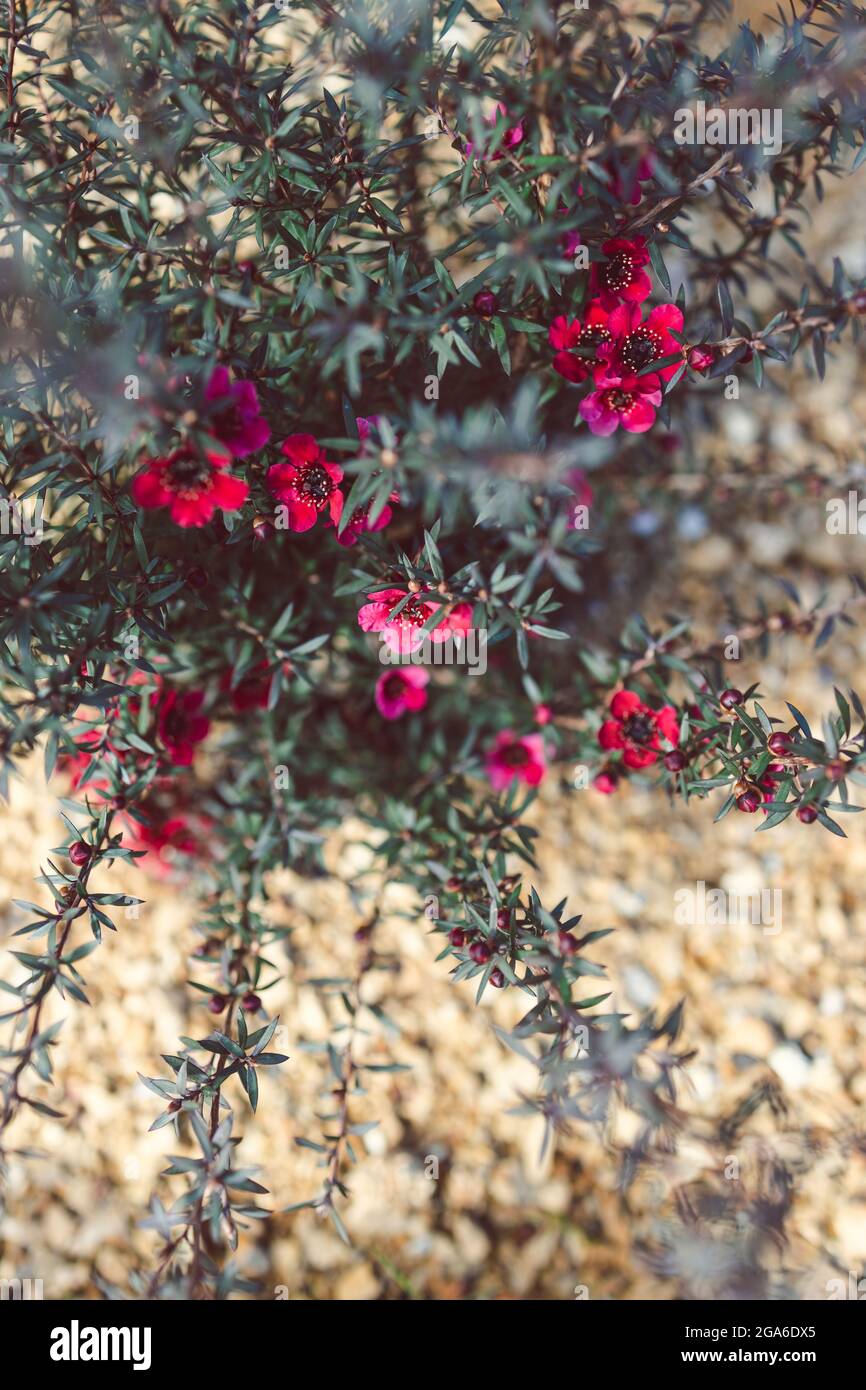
[334, 335]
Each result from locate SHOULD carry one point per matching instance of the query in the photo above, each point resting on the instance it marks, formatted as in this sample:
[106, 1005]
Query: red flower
[629, 182]
[640, 342]
[402, 632]
[166, 835]
[512, 757]
[193, 486]
[622, 275]
[251, 692]
[179, 724]
[359, 521]
[637, 729]
[307, 484]
[174, 833]
[400, 690]
[625, 400]
[237, 423]
[89, 744]
[593, 333]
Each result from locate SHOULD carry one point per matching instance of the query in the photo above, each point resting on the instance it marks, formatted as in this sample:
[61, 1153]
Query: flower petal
[229, 492]
[148, 489]
[624, 703]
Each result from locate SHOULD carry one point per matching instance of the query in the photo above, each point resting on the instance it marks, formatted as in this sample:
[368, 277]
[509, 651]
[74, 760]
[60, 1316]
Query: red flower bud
[216, 1003]
[485, 303]
[730, 697]
[480, 952]
[748, 802]
[80, 853]
[807, 814]
[779, 743]
[700, 358]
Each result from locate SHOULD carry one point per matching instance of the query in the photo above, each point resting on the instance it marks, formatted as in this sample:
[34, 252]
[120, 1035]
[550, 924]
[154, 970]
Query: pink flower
[565, 336]
[625, 400]
[622, 275]
[582, 495]
[193, 486]
[514, 135]
[512, 757]
[360, 518]
[637, 729]
[402, 632]
[400, 690]
[236, 423]
[359, 521]
[366, 426]
[307, 484]
[542, 714]
[641, 342]
[569, 241]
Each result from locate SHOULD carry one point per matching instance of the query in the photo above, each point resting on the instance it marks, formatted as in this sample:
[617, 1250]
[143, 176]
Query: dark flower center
[228, 420]
[618, 274]
[314, 484]
[638, 728]
[394, 687]
[513, 755]
[188, 472]
[640, 348]
[414, 612]
[595, 336]
[174, 725]
[617, 400]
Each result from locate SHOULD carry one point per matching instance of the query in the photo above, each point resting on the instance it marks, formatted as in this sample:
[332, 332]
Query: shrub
[341, 334]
